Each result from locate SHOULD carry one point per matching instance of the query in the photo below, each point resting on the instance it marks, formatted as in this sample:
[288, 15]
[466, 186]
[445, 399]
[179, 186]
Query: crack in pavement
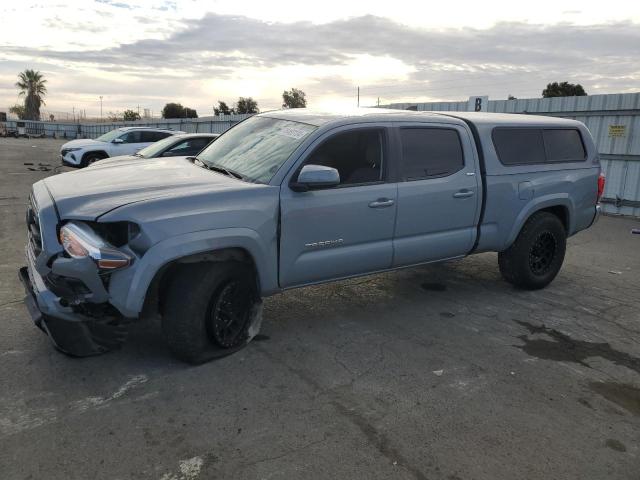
[377, 438]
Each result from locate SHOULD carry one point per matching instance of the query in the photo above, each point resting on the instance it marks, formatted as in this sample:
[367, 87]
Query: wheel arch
[560, 211]
[92, 152]
[133, 290]
[558, 205]
[159, 284]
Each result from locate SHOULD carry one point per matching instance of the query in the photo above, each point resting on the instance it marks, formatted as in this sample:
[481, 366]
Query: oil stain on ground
[622, 394]
[616, 445]
[434, 287]
[561, 347]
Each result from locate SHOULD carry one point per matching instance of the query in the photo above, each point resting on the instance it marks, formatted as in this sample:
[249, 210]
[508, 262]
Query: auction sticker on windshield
[296, 132]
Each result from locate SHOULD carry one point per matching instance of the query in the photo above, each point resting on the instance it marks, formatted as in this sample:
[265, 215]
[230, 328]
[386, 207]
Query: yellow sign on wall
[617, 130]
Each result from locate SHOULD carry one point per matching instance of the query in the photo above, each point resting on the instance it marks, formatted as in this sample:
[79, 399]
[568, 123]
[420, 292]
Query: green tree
[222, 109]
[190, 113]
[130, 115]
[563, 89]
[173, 110]
[32, 85]
[18, 111]
[246, 105]
[294, 98]
[176, 110]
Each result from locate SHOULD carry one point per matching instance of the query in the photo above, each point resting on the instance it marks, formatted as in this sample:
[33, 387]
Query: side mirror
[117, 140]
[316, 176]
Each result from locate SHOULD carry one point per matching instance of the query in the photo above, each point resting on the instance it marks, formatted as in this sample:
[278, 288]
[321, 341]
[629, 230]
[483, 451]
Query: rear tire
[535, 258]
[208, 310]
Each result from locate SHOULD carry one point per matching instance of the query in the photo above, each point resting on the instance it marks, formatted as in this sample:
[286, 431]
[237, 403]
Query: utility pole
[378, 101]
[101, 108]
[358, 96]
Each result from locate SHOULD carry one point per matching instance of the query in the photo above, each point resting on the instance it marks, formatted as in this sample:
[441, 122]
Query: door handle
[381, 203]
[463, 194]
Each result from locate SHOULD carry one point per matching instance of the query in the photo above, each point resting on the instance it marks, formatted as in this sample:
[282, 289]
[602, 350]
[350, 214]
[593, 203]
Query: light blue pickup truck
[292, 198]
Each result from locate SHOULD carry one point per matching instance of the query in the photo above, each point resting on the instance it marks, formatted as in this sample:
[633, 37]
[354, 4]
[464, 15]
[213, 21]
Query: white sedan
[182, 145]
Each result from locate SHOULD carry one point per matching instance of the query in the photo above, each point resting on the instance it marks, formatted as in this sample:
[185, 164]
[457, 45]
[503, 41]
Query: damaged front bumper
[92, 332]
[66, 297]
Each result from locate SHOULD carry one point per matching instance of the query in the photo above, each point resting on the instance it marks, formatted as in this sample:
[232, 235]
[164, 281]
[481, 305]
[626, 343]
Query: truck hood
[82, 143]
[88, 193]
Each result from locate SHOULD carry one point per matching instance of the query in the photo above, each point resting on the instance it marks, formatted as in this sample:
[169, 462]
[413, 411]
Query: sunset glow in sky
[197, 52]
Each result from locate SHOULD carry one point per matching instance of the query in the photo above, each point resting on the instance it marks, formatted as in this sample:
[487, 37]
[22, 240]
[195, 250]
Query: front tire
[90, 158]
[535, 258]
[209, 309]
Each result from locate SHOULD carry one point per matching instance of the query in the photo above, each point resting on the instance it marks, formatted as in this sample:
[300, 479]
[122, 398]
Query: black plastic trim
[483, 176]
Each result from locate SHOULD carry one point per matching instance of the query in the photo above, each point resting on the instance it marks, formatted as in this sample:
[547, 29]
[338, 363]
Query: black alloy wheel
[542, 253]
[229, 314]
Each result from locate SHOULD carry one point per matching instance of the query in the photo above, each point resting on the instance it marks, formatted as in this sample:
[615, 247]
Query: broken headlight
[80, 240]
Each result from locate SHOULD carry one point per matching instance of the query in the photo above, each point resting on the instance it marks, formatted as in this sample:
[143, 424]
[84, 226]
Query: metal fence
[92, 130]
[614, 122]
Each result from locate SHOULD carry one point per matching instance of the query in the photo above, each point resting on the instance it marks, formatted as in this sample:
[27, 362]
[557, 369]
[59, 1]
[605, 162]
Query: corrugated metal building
[614, 122]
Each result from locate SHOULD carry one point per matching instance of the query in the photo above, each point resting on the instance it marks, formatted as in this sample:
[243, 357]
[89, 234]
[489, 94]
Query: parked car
[293, 198]
[182, 145]
[121, 141]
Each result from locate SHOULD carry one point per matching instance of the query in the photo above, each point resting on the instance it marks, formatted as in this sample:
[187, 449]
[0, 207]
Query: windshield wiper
[137, 155]
[219, 169]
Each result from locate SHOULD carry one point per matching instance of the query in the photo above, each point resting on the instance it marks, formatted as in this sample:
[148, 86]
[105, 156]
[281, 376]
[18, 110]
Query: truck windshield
[256, 148]
[109, 136]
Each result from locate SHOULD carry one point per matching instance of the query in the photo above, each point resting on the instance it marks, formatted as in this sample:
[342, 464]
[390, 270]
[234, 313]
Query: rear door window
[563, 145]
[519, 146]
[132, 137]
[149, 137]
[525, 146]
[160, 135]
[430, 152]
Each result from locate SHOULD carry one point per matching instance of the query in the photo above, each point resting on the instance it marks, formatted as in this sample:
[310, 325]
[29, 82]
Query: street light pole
[100, 108]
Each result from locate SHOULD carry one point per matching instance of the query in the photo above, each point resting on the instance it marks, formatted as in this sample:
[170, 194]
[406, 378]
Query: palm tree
[31, 84]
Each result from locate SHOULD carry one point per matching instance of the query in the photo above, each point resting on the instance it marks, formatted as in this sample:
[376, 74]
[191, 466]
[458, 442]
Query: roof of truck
[507, 118]
[321, 117]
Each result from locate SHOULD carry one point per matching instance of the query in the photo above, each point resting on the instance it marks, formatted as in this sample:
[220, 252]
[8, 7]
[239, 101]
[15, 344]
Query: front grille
[33, 227]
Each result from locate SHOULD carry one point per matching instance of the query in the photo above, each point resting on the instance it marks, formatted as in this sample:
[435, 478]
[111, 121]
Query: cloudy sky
[199, 51]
